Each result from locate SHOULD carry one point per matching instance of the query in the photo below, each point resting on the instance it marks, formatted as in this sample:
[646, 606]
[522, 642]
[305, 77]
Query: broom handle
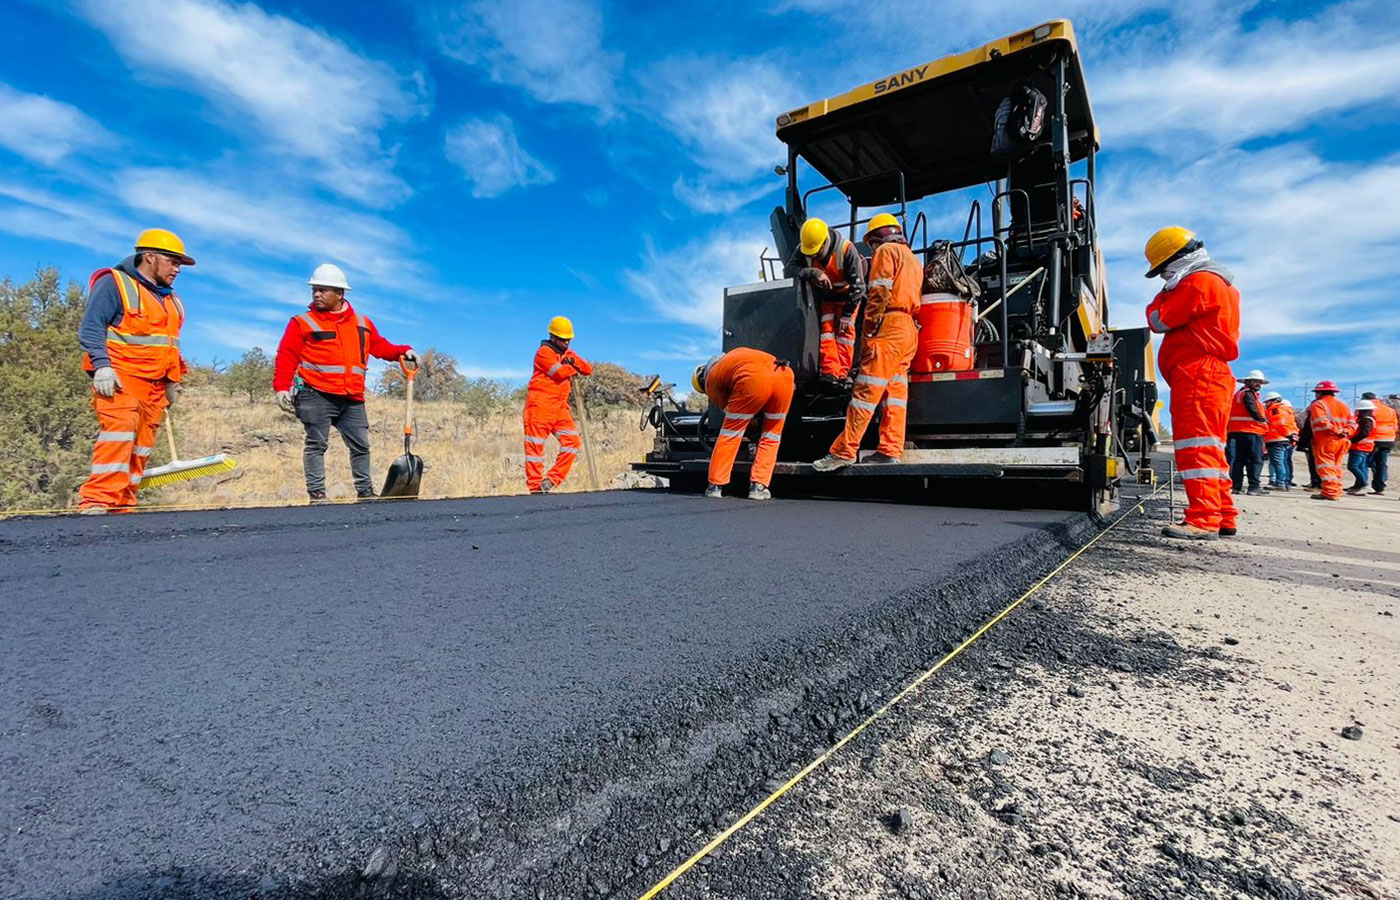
[170, 436]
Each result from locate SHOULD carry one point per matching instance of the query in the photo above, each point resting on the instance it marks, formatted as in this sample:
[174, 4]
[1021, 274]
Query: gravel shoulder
[1163, 720]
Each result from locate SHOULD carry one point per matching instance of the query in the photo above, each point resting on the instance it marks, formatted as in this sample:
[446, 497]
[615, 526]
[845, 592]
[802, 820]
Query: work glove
[106, 382]
[285, 402]
[821, 280]
[410, 357]
[172, 391]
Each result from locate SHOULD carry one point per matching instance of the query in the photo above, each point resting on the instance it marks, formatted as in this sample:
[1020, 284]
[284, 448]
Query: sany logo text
[903, 79]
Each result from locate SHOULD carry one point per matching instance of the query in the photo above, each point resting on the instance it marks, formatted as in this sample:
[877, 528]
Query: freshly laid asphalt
[528, 696]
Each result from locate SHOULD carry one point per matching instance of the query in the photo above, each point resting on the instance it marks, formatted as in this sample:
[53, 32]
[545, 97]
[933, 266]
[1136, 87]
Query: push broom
[185, 469]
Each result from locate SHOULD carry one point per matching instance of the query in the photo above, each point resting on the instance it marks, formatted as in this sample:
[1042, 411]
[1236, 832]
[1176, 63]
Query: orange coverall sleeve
[881, 288]
[1172, 309]
[549, 363]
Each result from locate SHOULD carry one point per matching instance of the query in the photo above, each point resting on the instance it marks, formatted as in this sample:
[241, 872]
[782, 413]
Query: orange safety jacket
[1386, 421]
[1283, 425]
[1329, 415]
[1241, 420]
[1365, 443]
[835, 269]
[549, 385]
[330, 352]
[896, 281]
[146, 343]
[1200, 317]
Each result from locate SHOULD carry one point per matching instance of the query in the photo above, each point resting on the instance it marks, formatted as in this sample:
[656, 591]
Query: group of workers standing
[1221, 432]
[130, 338]
[746, 383]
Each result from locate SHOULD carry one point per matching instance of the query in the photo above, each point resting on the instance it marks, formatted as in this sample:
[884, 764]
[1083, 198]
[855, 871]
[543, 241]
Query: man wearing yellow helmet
[835, 271]
[891, 339]
[547, 407]
[130, 335]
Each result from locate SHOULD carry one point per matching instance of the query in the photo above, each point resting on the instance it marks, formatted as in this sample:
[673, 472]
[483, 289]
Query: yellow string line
[880, 713]
[252, 504]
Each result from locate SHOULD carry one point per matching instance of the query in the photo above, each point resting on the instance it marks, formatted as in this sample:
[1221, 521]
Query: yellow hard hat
[814, 232]
[697, 380]
[883, 220]
[163, 241]
[562, 328]
[1164, 244]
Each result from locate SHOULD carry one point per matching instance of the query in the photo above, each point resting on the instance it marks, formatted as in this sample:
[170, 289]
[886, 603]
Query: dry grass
[463, 458]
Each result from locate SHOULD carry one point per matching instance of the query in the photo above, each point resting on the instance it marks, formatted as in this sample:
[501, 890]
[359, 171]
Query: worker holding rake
[547, 407]
[130, 336]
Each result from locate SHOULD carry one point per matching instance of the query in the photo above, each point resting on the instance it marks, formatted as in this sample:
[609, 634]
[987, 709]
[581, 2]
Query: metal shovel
[406, 472]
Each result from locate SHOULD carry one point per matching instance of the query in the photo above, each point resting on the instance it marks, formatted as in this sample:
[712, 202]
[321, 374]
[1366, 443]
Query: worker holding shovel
[547, 407]
[329, 347]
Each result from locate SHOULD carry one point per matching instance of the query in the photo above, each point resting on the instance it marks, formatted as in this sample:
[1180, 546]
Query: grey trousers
[318, 412]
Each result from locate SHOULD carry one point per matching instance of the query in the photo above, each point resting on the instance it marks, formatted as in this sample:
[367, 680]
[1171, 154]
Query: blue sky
[478, 167]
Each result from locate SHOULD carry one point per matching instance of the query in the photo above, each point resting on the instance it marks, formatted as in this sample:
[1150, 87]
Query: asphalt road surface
[529, 696]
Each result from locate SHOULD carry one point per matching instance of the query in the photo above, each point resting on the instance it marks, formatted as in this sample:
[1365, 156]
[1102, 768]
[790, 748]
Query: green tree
[612, 387]
[437, 378]
[250, 375]
[482, 397]
[46, 419]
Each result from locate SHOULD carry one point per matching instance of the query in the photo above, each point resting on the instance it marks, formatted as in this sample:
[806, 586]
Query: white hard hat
[1287, 403]
[329, 275]
[1364, 405]
[1254, 375]
[1272, 395]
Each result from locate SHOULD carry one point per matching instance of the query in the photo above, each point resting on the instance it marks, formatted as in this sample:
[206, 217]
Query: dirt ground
[1163, 720]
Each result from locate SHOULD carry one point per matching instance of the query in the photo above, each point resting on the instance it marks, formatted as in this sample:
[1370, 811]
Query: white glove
[172, 391]
[106, 382]
[410, 357]
[284, 400]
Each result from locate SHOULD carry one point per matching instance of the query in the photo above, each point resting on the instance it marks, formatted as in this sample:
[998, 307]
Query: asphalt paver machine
[1047, 400]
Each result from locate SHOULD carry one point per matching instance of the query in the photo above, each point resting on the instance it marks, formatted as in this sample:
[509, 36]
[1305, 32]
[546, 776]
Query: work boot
[1228, 531]
[1322, 497]
[1185, 532]
[92, 510]
[880, 459]
[546, 486]
[317, 498]
[365, 495]
[759, 492]
[714, 492]
[1256, 491]
[1377, 493]
[831, 462]
[1356, 491]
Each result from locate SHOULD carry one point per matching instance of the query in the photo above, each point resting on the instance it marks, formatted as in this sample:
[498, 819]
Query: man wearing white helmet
[1279, 439]
[1363, 442]
[1245, 440]
[327, 348]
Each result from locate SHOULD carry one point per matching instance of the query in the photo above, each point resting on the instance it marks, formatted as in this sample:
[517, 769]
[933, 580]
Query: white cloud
[551, 48]
[1312, 243]
[489, 154]
[280, 225]
[317, 99]
[687, 284]
[43, 129]
[38, 213]
[1231, 88]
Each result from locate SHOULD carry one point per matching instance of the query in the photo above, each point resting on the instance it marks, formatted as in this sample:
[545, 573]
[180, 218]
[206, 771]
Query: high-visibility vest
[1366, 444]
[1281, 422]
[1241, 420]
[1385, 423]
[1329, 415]
[835, 269]
[334, 354]
[146, 343]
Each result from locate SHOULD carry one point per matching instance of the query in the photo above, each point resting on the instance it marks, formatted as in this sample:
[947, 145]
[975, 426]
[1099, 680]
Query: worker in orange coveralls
[835, 270]
[130, 335]
[547, 408]
[746, 384]
[891, 339]
[1330, 421]
[1198, 312]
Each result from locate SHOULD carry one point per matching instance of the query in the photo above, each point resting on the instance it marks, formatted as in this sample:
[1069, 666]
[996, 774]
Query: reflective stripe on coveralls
[1331, 420]
[146, 343]
[1200, 404]
[547, 412]
[836, 344]
[747, 383]
[128, 420]
[334, 353]
[896, 287]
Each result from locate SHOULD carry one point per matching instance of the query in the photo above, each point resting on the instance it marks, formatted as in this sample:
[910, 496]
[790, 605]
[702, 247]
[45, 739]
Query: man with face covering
[1197, 313]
